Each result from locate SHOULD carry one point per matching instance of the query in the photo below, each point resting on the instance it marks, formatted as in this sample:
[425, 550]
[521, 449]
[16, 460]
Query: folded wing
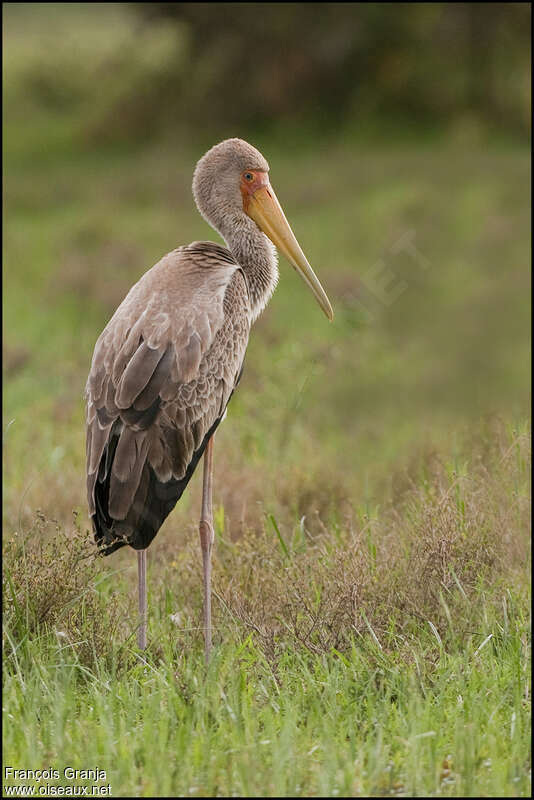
[163, 371]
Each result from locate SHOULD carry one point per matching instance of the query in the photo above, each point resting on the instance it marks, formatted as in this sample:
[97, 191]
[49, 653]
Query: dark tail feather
[154, 500]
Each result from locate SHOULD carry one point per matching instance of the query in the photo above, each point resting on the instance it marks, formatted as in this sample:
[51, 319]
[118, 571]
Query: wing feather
[151, 392]
[157, 388]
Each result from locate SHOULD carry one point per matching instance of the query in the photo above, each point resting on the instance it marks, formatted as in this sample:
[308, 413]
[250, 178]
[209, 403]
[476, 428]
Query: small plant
[54, 586]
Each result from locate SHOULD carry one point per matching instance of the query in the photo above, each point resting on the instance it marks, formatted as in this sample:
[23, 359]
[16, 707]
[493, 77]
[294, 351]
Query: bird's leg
[206, 541]
[141, 575]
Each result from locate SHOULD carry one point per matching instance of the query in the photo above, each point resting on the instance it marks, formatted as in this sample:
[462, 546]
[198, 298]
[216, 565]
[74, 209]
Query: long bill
[263, 207]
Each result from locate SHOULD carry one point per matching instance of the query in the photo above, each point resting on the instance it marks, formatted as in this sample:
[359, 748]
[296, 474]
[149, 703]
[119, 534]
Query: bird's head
[231, 186]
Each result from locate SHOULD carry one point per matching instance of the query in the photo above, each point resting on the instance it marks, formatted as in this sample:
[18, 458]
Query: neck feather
[256, 255]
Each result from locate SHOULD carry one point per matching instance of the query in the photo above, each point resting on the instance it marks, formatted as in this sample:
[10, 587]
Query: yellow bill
[263, 207]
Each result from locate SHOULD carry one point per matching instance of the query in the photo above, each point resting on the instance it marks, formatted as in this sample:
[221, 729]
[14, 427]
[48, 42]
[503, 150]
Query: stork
[165, 366]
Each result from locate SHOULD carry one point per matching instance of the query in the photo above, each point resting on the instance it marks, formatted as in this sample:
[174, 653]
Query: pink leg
[141, 575]
[206, 541]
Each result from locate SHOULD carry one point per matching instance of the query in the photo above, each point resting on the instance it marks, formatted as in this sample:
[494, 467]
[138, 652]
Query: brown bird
[168, 361]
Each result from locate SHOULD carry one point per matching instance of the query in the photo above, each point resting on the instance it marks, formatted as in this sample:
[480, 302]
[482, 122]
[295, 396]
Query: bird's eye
[249, 176]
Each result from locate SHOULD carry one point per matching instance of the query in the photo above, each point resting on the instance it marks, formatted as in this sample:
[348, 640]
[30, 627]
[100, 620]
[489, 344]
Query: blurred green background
[399, 142]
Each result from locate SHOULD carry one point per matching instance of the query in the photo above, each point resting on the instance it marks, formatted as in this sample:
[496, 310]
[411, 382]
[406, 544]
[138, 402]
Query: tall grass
[389, 655]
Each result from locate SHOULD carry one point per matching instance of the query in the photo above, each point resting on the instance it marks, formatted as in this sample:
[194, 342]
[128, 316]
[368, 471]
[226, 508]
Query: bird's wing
[163, 371]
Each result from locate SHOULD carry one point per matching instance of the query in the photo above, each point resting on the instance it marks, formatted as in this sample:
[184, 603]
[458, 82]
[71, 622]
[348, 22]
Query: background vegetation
[372, 476]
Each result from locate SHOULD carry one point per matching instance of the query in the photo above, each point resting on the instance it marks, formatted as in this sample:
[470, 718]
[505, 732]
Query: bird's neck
[256, 255]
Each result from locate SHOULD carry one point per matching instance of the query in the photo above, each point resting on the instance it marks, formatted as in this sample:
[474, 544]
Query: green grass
[371, 479]
[357, 724]
[391, 657]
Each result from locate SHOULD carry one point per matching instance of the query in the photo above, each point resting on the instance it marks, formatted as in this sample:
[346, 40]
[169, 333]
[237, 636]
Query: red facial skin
[259, 179]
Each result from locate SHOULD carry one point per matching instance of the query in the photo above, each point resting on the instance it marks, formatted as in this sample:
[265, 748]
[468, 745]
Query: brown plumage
[166, 364]
[163, 371]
